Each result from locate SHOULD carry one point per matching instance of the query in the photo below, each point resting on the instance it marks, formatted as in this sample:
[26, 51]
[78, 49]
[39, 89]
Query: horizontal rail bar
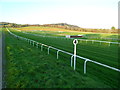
[100, 41]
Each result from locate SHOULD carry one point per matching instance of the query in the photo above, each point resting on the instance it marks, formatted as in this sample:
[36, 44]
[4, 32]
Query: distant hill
[3, 24]
[64, 25]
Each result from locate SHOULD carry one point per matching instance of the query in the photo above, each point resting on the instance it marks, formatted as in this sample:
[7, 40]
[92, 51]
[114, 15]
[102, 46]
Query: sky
[83, 13]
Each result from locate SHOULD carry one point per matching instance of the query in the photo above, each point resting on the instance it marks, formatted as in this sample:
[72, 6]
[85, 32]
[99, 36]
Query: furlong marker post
[75, 42]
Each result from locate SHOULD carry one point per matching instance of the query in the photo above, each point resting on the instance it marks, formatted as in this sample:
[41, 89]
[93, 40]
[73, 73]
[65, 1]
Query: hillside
[63, 26]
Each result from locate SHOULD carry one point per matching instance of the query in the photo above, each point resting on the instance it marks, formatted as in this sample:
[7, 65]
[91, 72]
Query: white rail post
[71, 60]
[74, 62]
[33, 43]
[58, 54]
[75, 42]
[49, 49]
[41, 47]
[37, 45]
[30, 42]
[85, 66]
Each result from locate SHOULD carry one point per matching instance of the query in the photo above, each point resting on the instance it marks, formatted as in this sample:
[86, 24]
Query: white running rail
[32, 42]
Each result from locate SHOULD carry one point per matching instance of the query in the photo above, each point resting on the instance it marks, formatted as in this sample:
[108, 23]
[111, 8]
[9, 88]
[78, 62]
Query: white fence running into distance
[92, 41]
[102, 38]
[32, 42]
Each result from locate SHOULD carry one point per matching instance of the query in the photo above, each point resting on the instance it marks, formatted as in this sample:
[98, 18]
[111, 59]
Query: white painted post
[85, 66]
[37, 45]
[49, 49]
[30, 42]
[41, 47]
[33, 43]
[75, 42]
[71, 60]
[58, 54]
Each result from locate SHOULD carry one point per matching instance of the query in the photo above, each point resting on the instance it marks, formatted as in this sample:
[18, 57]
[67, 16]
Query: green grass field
[62, 32]
[83, 49]
[27, 66]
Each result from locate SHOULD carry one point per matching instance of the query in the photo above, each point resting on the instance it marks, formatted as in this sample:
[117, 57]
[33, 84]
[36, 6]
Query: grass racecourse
[50, 31]
[29, 67]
